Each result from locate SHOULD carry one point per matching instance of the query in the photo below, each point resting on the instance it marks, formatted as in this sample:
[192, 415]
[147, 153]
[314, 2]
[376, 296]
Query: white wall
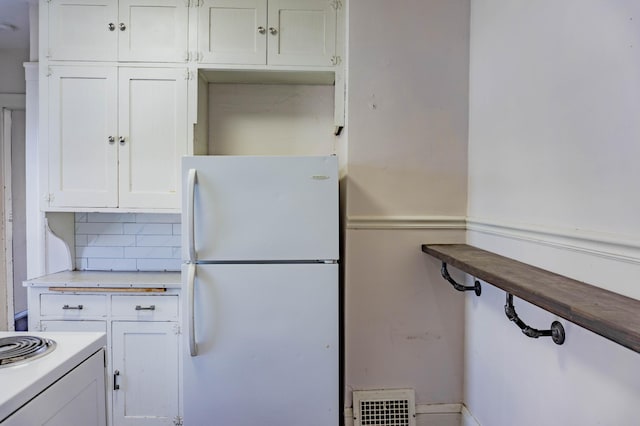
[271, 119]
[553, 181]
[406, 185]
[12, 71]
[12, 81]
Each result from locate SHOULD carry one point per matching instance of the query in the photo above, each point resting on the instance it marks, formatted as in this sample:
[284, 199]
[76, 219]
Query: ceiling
[14, 24]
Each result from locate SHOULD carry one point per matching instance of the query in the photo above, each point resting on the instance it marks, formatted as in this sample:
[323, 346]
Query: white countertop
[110, 279]
[22, 382]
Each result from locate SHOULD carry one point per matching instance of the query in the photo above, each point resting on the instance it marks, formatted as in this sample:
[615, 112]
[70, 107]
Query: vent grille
[394, 407]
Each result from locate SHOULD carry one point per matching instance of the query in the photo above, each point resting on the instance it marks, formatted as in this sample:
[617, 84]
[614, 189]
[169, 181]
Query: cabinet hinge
[177, 421]
[49, 72]
[336, 4]
[48, 198]
[176, 329]
[335, 60]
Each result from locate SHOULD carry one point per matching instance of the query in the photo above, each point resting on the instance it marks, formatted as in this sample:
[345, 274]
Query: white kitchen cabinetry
[268, 32]
[143, 336]
[145, 393]
[112, 30]
[116, 136]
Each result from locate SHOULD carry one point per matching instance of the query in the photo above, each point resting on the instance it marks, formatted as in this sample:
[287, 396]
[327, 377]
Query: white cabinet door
[125, 30]
[153, 123]
[233, 31]
[301, 32]
[83, 30]
[82, 123]
[277, 32]
[145, 356]
[153, 30]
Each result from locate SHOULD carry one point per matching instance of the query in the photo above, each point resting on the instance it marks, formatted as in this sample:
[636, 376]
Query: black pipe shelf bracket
[556, 332]
[476, 288]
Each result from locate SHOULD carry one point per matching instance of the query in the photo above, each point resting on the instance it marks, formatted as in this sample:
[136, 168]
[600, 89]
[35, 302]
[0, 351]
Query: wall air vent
[384, 407]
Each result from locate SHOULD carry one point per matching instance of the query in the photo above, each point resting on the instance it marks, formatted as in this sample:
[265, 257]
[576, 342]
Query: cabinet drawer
[61, 325]
[73, 305]
[145, 307]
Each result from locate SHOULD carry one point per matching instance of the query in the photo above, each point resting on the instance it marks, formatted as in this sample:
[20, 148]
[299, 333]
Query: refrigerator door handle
[192, 179]
[191, 281]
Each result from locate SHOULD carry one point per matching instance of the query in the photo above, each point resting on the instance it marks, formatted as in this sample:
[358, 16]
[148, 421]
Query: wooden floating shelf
[611, 315]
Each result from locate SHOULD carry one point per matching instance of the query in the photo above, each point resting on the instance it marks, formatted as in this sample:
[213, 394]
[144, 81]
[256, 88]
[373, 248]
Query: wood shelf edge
[606, 313]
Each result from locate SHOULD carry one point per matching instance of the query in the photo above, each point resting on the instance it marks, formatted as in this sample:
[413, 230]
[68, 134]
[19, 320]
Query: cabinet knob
[112, 140]
[121, 140]
[122, 26]
[273, 31]
[262, 30]
[112, 26]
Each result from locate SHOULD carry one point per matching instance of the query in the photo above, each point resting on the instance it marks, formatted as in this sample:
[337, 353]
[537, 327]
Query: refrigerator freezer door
[267, 339]
[260, 208]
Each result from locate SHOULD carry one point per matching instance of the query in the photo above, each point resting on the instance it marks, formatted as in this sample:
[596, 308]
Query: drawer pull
[146, 308]
[116, 386]
[67, 307]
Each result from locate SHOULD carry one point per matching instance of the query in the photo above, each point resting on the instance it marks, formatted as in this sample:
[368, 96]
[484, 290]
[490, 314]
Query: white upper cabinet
[233, 31]
[116, 137]
[82, 135]
[153, 126]
[83, 30]
[267, 32]
[111, 30]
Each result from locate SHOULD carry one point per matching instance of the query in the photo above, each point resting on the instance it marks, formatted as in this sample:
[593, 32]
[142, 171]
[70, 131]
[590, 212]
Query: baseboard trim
[406, 222]
[614, 247]
[467, 418]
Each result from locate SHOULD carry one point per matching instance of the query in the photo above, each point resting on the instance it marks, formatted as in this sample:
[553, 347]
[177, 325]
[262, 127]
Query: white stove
[62, 363]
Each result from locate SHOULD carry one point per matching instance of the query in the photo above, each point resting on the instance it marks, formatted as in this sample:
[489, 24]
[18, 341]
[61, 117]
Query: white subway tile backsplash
[158, 218]
[81, 263]
[148, 228]
[111, 264]
[148, 252]
[111, 240]
[100, 252]
[81, 240]
[128, 241]
[159, 264]
[99, 228]
[158, 240]
[111, 217]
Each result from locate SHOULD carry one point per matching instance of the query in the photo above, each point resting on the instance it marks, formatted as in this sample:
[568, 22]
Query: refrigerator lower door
[267, 345]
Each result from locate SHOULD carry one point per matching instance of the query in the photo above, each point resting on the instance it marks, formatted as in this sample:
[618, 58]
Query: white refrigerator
[260, 270]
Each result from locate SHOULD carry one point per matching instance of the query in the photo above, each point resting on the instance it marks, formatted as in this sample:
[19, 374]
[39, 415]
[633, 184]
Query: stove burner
[17, 349]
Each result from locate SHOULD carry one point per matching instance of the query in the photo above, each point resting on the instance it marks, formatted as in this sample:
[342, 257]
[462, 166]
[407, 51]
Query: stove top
[21, 348]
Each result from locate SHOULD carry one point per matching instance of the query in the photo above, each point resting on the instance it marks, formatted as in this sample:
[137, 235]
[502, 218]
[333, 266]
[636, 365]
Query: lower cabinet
[143, 348]
[145, 378]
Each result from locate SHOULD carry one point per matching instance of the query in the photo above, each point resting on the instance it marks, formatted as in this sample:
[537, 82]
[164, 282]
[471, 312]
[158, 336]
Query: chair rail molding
[406, 222]
[612, 246]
